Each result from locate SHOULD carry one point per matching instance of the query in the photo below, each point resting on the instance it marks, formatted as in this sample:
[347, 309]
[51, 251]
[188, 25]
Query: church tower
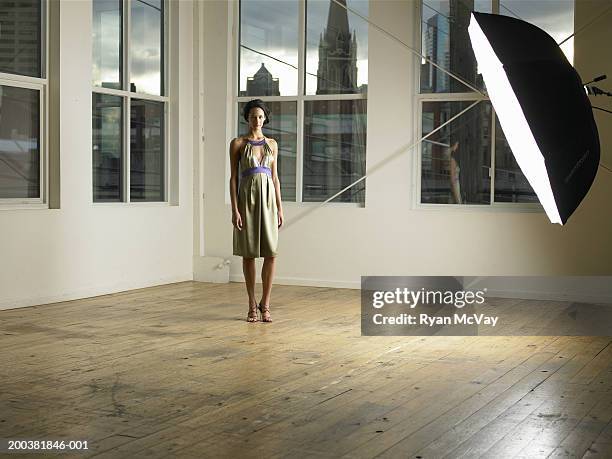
[337, 72]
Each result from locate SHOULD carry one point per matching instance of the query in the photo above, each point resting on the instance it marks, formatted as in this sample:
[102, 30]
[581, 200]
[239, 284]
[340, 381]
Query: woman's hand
[237, 220]
[281, 218]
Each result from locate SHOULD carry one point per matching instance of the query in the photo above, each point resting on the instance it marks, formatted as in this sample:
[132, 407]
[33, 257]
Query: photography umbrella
[542, 107]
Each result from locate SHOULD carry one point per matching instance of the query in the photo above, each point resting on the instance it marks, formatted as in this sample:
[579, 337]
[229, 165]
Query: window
[129, 101]
[23, 99]
[469, 161]
[308, 60]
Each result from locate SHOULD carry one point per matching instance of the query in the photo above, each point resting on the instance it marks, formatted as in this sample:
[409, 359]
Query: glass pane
[556, 18]
[19, 143]
[106, 36]
[146, 46]
[336, 47]
[20, 37]
[107, 146]
[445, 41]
[455, 160]
[334, 149]
[146, 151]
[510, 183]
[282, 128]
[268, 47]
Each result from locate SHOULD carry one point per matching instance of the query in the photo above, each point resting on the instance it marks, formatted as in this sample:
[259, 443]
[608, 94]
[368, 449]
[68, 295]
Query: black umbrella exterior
[542, 107]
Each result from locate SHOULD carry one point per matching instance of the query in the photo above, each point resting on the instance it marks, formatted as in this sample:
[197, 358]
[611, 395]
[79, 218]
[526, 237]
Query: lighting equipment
[542, 107]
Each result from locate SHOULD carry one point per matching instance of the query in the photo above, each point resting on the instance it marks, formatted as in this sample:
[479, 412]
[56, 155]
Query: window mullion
[126, 102]
[126, 45]
[300, 101]
[492, 170]
[126, 148]
[419, 151]
[166, 106]
[495, 6]
[44, 40]
[43, 150]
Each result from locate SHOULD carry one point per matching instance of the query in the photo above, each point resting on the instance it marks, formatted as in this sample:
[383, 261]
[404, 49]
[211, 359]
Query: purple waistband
[257, 170]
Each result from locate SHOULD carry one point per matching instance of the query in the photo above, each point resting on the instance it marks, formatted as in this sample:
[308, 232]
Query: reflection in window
[20, 37]
[146, 150]
[107, 148]
[448, 175]
[331, 153]
[445, 41]
[510, 183]
[336, 47]
[268, 47]
[106, 29]
[455, 160]
[282, 128]
[334, 149]
[146, 45]
[19, 142]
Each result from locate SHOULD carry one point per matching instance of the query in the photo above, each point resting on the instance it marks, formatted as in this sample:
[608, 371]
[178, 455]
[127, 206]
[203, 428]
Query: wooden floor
[175, 371]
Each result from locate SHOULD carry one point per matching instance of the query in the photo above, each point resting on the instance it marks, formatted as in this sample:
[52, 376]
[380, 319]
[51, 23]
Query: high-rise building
[262, 83]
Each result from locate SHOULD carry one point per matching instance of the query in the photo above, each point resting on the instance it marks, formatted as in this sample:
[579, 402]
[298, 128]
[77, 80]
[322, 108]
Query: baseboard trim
[306, 282]
[574, 297]
[555, 290]
[545, 294]
[90, 292]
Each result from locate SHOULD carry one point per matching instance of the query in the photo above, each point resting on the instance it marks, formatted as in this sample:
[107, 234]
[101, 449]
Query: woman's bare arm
[276, 181]
[234, 151]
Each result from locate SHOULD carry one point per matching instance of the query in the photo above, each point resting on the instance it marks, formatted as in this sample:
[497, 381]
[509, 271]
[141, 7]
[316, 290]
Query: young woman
[257, 211]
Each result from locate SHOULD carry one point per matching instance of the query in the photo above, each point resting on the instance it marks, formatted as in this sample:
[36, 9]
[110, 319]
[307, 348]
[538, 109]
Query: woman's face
[256, 118]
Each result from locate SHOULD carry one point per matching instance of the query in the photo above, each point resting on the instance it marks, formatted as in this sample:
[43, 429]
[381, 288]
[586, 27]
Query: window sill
[287, 204]
[316, 204]
[131, 204]
[498, 207]
[24, 206]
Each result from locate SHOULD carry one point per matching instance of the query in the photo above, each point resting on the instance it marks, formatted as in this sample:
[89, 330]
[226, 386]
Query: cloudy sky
[554, 16]
[271, 27]
[145, 43]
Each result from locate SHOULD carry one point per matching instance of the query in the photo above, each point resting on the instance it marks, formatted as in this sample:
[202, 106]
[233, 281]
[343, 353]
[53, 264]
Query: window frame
[299, 99]
[419, 99]
[127, 97]
[40, 84]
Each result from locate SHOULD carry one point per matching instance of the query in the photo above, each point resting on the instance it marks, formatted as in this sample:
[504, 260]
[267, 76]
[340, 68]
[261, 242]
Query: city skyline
[272, 28]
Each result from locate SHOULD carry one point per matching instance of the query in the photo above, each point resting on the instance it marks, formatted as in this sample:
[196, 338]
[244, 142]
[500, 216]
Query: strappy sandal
[264, 310]
[252, 314]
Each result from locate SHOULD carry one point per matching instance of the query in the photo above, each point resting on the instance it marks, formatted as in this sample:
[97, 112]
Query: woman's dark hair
[256, 103]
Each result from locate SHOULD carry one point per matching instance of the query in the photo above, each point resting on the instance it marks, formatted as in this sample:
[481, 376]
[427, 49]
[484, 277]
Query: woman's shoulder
[238, 140]
[271, 142]
[237, 144]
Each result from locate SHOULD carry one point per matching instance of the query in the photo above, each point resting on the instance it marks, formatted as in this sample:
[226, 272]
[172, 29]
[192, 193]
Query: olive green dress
[257, 206]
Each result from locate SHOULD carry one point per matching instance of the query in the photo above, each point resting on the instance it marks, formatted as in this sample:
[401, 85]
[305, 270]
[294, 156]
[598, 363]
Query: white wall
[337, 244]
[82, 249]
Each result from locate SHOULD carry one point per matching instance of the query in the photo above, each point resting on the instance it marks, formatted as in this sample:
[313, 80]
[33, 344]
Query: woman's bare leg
[267, 276]
[248, 268]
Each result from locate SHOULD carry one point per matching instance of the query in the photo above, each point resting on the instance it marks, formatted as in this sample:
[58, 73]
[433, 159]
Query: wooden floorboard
[175, 371]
